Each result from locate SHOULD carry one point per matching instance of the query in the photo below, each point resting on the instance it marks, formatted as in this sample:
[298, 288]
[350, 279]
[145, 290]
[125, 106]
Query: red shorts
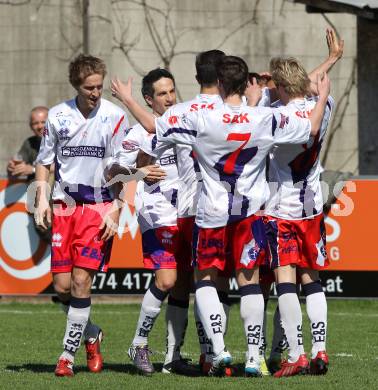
[76, 238]
[160, 247]
[298, 242]
[185, 243]
[235, 246]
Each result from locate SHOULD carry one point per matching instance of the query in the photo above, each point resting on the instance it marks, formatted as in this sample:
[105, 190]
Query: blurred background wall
[38, 38]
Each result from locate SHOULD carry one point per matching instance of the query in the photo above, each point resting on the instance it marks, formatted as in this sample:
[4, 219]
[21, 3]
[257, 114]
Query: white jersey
[294, 170]
[80, 149]
[264, 100]
[155, 204]
[187, 165]
[231, 144]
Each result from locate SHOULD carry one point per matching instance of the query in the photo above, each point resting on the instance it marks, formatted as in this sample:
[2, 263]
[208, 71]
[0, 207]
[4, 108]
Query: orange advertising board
[350, 228]
[25, 258]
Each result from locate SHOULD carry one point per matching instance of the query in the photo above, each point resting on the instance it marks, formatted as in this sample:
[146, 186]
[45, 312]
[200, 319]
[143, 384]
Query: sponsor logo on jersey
[303, 114]
[172, 120]
[83, 151]
[63, 134]
[64, 122]
[130, 146]
[236, 118]
[284, 120]
[168, 160]
[195, 106]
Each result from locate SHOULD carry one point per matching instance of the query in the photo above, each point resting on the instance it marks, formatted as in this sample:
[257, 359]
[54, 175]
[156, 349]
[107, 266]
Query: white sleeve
[121, 129]
[153, 147]
[127, 149]
[289, 128]
[177, 129]
[265, 98]
[49, 143]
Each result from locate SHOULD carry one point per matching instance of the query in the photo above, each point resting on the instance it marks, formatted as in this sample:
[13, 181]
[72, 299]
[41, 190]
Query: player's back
[232, 145]
[294, 170]
[187, 165]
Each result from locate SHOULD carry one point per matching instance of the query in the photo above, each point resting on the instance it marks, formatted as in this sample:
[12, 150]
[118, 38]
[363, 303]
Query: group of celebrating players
[228, 184]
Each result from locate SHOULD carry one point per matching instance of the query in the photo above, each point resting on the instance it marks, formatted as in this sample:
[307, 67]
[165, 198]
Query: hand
[122, 91]
[253, 93]
[153, 173]
[10, 166]
[42, 215]
[335, 45]
[21, 169]
[323, 85]
[110, 222]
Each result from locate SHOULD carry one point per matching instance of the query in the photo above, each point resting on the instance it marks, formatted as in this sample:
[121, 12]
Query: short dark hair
[252, 75]
[151, 77]
[232, 75]
[83, 66]
[206, 63]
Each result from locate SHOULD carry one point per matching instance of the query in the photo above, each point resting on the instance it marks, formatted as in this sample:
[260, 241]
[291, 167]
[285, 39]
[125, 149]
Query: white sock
[225, 307]
[204, 341]
[252, 314]
[91, 330]
[209, 308]
[77, 319]
[262, 347]
[316, 305]
[279, 342]
[149, 311]
[177, 321]
[291, 319]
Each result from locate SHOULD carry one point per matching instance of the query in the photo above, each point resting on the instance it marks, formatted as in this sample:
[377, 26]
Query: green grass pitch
[31, 337]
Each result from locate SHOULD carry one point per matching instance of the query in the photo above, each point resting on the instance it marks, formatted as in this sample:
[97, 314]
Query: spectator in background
[22, 164]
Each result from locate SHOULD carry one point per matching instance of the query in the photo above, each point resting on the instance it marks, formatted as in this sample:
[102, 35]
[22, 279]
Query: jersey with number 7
[231, 144]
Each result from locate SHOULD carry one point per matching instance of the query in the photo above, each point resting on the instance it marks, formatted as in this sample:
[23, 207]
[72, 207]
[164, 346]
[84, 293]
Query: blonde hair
[291, 75]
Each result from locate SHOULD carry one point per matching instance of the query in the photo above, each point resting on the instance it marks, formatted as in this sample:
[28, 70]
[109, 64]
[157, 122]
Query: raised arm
[335, 52]
[123, 92]
[316, 117]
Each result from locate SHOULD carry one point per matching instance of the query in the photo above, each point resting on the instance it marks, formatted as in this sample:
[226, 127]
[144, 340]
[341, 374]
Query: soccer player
[190, 183]
[79, 136]
[156, 206]
[295, 223]
[279, 342]
[232, 143]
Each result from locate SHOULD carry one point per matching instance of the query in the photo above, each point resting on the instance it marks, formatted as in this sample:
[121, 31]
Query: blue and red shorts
[298, 242]
[239, 245]
[76, 237]
[169, 247]
[160, 247]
